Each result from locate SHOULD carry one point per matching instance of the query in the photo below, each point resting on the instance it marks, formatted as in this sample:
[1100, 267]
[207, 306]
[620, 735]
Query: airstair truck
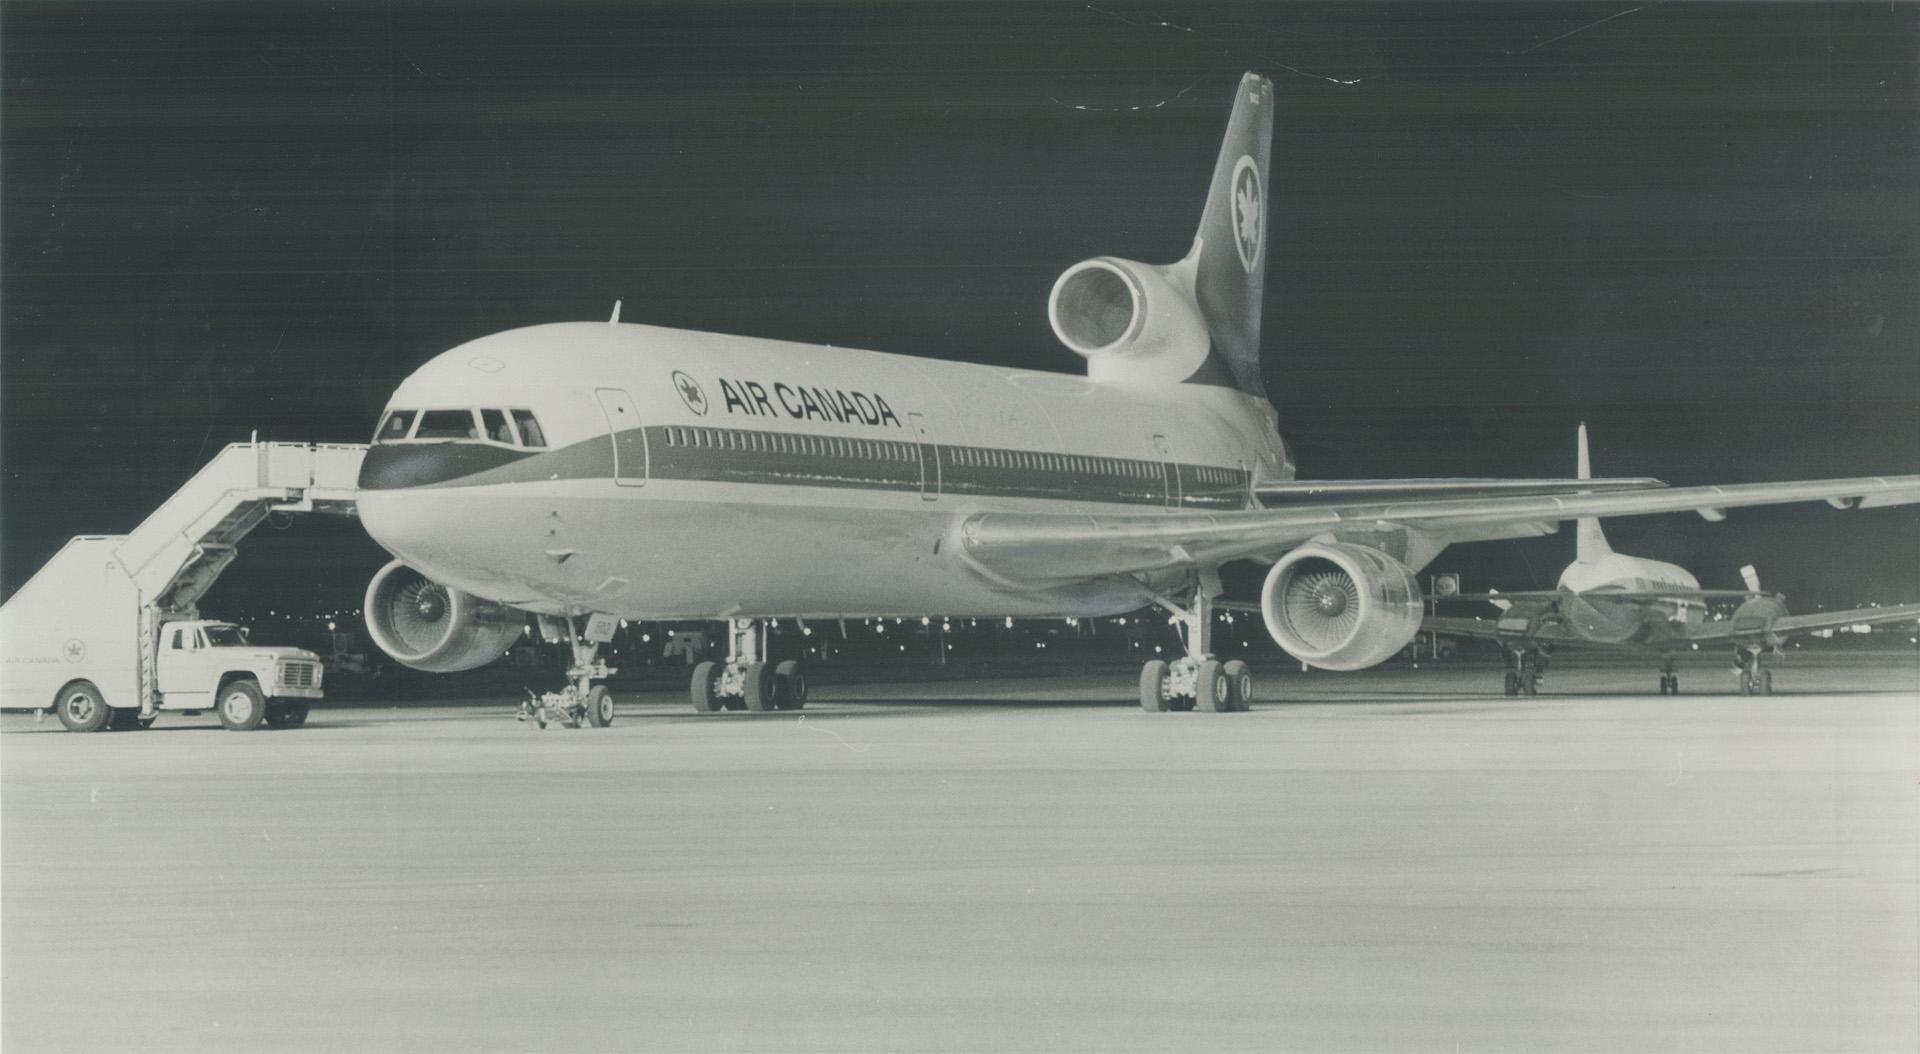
[107, 634]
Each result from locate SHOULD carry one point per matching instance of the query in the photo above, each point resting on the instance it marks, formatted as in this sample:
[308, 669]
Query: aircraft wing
[1021, 546]
[1793, 625]
[1550, 632]
[1613, 594]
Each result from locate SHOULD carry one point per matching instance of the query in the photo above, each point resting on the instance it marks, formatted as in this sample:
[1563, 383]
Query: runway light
[1009, 621]
[925, 621]
[330, 627]
[646, 638]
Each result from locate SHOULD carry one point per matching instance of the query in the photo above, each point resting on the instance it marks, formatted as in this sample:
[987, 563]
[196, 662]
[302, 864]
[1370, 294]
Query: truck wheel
[81, 709]
[287, 715]
[241, 705]
[599, 706]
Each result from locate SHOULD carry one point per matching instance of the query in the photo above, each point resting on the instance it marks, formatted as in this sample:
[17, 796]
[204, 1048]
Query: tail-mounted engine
[437, 628]
[1133, 322]
[1339, 606]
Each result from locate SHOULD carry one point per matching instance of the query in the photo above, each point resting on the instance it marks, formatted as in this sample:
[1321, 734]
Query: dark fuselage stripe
[738, 455]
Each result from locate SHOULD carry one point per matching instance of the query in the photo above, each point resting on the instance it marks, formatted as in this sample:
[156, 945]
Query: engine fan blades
[1323, 607]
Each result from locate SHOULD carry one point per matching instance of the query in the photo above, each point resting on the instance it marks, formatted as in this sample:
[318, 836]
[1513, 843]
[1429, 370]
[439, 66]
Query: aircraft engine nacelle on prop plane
[1340, 606]
[437, 628]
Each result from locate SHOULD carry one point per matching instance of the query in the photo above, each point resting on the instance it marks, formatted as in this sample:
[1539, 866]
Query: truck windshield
[226, 636]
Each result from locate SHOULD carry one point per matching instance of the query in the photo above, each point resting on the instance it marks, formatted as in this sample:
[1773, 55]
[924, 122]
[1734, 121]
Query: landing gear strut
[1196, 680]
[747, 681]
[1750, 667]
[581, 702]
[1525, 666]
[1669, 679]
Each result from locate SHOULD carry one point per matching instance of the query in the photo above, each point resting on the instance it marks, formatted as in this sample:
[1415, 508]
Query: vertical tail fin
[1589, 543]
[1229, 252]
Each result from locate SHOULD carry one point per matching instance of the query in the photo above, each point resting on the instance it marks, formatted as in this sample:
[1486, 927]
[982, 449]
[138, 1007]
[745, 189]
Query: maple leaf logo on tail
[1246, 212]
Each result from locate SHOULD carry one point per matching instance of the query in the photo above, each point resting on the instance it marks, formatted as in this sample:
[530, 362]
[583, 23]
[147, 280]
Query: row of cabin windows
[788, 443]
[508, 427]
[886, 450]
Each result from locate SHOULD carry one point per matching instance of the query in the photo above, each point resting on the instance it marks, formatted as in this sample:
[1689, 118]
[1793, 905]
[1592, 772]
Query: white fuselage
[1619, 573]
[693, 475]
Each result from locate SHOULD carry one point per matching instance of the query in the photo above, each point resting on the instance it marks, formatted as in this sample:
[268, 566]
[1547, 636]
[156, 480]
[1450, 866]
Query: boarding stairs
[174, 556]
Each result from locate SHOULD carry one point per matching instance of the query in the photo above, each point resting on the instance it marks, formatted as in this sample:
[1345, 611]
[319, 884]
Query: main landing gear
[1750, 666]
[1197, 680]
[1525, 667]
[581, 702]
[1669, 679]
[747, 681]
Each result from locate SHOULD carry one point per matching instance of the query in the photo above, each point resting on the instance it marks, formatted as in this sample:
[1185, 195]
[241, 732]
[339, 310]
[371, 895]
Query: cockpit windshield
[500, 427]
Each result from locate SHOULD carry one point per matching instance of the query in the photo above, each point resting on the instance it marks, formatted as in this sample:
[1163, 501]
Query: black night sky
[1694, 226]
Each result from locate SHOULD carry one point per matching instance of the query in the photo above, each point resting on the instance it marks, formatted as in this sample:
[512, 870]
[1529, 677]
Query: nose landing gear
[1525, 667]
[581, 702]
[746, 681]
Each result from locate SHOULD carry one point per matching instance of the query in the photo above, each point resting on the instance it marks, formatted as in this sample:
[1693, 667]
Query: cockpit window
[497, 427]
[396, 426]
[530, 433]
[447, 424]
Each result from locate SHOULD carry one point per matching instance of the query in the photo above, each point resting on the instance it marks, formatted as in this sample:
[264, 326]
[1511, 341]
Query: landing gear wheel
[704, 676]
[1212, 691]
[1153, 687]
[128, 721]
[241, 705]
[1513, 683]
[599, 706]
[287, 715]
[790, 685]
[1529, 684]
[758, 689]
[81, 709]
[1240, 676]
[1766, 682]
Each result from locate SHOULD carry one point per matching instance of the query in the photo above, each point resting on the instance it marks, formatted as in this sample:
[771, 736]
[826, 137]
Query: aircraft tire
[1529, 685]
[599, 706]
[81, 708]
[287, 715]
[241, 706]
[1153, 687]
[760, 688]
[1766, 682]
[704, 676]
[790, 685]
[1213, 692]
[1240, 676]
[1513, 683]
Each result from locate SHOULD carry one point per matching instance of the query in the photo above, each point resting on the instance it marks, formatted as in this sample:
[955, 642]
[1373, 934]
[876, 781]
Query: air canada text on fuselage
[806, 402]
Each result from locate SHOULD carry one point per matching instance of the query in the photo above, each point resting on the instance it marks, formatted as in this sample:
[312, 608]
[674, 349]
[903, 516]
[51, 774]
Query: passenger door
[929, 458]
[629, 438]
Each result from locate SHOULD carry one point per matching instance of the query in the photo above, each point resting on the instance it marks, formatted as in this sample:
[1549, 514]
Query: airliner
[1610, 601]
[589, 472]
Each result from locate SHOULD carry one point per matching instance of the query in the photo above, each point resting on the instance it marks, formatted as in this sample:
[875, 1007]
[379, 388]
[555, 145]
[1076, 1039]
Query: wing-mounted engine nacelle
[1340, 606]
[1134, 323]
[437, 628]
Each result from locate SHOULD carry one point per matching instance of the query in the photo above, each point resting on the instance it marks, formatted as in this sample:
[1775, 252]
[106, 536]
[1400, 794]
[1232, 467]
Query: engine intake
[437, 628]
[1131, 321]
[1340, 606]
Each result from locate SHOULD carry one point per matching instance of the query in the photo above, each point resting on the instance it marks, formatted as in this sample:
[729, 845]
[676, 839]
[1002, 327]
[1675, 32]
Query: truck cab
[208, 665]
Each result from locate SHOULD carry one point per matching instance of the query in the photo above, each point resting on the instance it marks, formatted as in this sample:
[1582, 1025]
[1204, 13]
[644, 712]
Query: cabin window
[530, 433]
[447, 424]
[396, 426]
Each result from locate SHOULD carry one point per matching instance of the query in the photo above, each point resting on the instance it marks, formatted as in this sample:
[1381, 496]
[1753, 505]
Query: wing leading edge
[1022, 546]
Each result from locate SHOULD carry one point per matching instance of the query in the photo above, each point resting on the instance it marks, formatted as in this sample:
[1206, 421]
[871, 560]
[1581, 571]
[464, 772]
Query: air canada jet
[588, 472]
[1610, 601]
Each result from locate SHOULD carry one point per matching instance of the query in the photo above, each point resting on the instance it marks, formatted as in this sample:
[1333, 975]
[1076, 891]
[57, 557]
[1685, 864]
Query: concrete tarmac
[1401, 862]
